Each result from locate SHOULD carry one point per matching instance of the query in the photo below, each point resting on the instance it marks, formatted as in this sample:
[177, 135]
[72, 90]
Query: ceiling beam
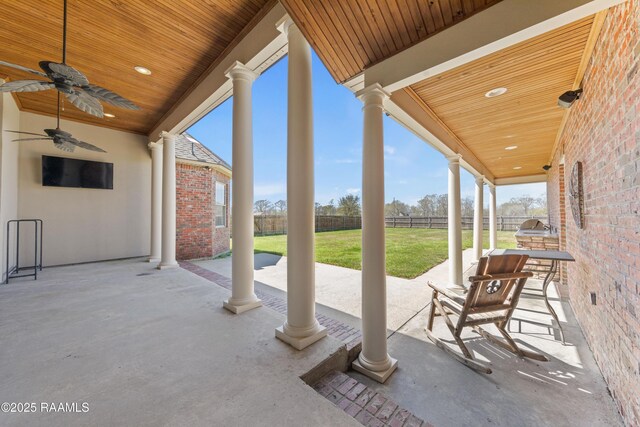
[258, 49]
[410, 111]
[507, 23]
[530, 179]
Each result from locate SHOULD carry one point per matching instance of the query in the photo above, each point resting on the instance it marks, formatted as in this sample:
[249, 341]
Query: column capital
[491, 185]
[454, 158]
[166, 135]
[373, 95]
[286, 25]
[155, 145]
[239, 71]
[480, 179]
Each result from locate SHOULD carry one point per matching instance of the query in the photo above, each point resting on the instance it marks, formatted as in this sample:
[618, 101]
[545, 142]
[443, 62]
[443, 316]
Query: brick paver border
[349, 335]
[367, 406]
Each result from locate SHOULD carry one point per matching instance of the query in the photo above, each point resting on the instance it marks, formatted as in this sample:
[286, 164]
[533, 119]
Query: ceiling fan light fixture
[496, 92]
[142, 70]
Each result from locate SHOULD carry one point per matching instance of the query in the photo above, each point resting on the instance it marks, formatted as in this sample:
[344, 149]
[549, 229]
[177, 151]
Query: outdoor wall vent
[592, 295]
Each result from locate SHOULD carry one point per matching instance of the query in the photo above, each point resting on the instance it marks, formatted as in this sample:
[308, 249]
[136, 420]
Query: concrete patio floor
[566, 391]
[149, 347]
[145, 348]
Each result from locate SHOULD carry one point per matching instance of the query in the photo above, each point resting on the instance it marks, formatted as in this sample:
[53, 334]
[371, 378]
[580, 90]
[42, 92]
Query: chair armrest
[501, 276]
[448, 292]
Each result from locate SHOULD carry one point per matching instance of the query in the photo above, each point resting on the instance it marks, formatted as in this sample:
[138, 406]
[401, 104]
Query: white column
[156, 201]
[168, 251]
[478, 218]
[373, 361]
[243, 297]
[301, 328]
[493, 218]
[455, 222]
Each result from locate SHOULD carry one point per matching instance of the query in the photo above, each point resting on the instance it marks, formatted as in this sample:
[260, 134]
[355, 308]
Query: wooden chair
[491, 298]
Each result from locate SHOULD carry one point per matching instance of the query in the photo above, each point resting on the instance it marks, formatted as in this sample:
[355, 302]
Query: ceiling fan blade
[110, 97]
[31, 139]
[86, 103]
[26, 86]
[84, 145]
[64, 146]
[21, 68]
[70, 73]
[25, 133]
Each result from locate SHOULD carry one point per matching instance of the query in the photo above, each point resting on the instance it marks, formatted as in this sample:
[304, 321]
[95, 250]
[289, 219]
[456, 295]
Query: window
[221, 207]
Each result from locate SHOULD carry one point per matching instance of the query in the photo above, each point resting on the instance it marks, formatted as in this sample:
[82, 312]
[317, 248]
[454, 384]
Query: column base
[168, 265]
[300, 343]
[239, 309]
[379, 376]
[154, 260]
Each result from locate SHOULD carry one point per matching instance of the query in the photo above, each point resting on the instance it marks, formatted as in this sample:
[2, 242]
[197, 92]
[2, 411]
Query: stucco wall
[80, 224]
[9, 120]
[603, 132]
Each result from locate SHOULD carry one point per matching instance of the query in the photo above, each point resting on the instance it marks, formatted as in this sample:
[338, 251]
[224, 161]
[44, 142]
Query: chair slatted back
[496, 279]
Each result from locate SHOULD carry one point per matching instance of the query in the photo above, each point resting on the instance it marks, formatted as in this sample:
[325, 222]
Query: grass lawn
[410, 251]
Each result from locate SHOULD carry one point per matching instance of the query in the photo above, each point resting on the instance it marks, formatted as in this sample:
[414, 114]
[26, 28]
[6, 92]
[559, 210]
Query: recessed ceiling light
[511, 147]
[495, 92]
[111, 116]
[517, 167]
[142, 70]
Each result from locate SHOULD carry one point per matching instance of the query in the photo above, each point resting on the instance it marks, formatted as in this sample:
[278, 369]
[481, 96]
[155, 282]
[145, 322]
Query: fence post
[394, 222]
[410, 222]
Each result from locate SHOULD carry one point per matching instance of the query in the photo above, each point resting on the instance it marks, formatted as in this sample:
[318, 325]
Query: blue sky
[412, 167]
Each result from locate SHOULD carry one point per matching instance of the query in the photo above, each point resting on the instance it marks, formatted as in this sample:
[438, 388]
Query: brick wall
[196, 233]
[603, 132]
[222, 235]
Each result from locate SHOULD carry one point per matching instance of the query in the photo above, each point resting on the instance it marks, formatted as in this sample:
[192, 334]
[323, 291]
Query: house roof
[190, 149]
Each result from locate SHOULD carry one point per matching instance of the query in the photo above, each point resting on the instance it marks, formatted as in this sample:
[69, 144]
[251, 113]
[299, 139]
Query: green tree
[349, 205]
[396, 208]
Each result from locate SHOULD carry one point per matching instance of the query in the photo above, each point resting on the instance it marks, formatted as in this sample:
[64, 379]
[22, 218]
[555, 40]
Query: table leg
[545, 286]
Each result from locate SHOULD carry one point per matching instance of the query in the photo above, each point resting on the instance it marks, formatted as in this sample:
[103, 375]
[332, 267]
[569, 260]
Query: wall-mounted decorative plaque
[576, 195]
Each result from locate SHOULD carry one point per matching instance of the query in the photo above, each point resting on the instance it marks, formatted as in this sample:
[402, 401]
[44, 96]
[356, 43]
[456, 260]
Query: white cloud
[353, 190]
[390, 150]
[266, 190]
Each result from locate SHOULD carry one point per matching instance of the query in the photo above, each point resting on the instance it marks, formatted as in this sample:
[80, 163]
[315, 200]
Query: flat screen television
[65, 172]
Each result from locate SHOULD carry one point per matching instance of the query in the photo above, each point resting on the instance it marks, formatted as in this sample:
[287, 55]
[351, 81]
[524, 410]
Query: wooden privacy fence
[505, 223]
[265, 225]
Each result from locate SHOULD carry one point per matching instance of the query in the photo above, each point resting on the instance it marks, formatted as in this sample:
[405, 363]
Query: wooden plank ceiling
[535, 73]
[351, 35]
[176, 40]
